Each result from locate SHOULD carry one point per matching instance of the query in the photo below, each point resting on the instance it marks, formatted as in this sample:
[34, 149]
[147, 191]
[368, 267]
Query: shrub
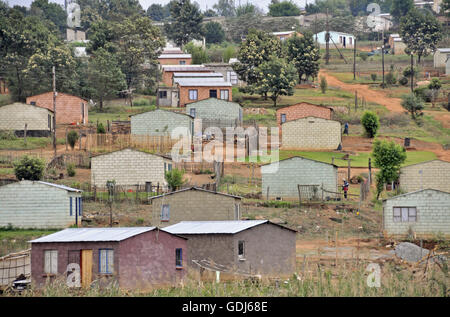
[390, 79]
[7, 135]
[29, 168]
[141, 102]
[371, 123]
[363, 56]
[71, 170]
[101, 129]
[423, 93]
[323, 84]
[72, 138]
[407, 72]
[413, 104]
[373, 77]
[174, 178]
[403, 81]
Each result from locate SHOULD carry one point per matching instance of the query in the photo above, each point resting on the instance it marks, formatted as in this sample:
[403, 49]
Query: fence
[13, 265]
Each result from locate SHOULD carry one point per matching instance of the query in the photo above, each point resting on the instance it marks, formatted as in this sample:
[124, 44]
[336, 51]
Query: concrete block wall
[434, 174]
[14, 117]
[202, 93]
[311, 134]
[68, 107]
[433, 213]
[194, 205]
[29, 204]
[303, 110]
[215, 109]
[159, 123]
[128, 167]
[291, 172]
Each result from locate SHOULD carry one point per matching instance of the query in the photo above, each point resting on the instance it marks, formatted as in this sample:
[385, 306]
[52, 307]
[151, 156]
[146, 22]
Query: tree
[388, 157]
[174, 178]
[156, 12]
[421, 32]
[323, 84]
[186, 20]
[277, 77]
[214, 33]
[255, 50]
[371, 123]
[435, 86]
[303, 53]
[72, 138]
[445, 7]
[284, 8]
[414, 105]
[105, 77]
[199, 55]
[52, 12]
[225, 8]
[400, 8]
[29, 168]
[210, 13]
[247, 9]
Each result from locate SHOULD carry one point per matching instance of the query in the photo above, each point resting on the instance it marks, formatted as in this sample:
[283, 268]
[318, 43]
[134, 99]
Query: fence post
[299, 197]
[349, 169]
[25, 134]
[370, 171]
[267, 195]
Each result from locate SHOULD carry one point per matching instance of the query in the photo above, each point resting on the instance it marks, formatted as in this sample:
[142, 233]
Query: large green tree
[214, 32]
[421, 32]
[401, 8]
[284, 8]
[185, 22]
[50, 11]
[225, 8]
[303, 53]
[157, 12]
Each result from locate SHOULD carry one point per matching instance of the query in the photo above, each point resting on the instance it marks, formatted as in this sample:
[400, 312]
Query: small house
[196, 89]
[195, 204]
[433, 174]
[311, 133]
[397, 45]
[39, 205]
[337, 39]
[246, 247]
[302, 110]
[169, 70]
[216, 113]
[175, 59]
[440, 57]
[284, 35]
[129, 168]
[161, 123]
[134, 258]
[424, 213]
[15, 117]
[285, 178]
[69, 109]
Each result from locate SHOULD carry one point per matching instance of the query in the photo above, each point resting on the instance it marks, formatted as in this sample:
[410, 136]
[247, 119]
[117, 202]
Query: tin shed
[135, 258]
[246, 247]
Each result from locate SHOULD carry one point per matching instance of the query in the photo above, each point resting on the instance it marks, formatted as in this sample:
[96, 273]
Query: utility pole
[54, 110]
[354, 60]
[382, 56]
[412, 72]
[327, 42]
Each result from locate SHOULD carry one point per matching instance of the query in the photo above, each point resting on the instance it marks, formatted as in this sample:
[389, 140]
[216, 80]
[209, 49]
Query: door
[344, 44]
[86, 268]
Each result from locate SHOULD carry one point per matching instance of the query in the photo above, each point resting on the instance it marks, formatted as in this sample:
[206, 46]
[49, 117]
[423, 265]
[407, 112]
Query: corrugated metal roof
[93, 234]
[186, 69]
[195, 188]
[175, 56]
[415, 192]
[213, 227]
[196, 75]
[70, 189]
[281, 33]
[202, 82]
[444, 50]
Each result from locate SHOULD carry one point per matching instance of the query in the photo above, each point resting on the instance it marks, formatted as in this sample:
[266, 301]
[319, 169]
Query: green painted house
[216, 113]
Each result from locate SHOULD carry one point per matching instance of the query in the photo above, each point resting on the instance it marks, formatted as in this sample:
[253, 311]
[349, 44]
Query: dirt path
[380, 97]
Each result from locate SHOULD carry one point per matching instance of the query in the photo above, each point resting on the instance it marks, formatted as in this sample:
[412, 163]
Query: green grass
[5, 100]
[14, 240]
[19, 144]
[6, 171]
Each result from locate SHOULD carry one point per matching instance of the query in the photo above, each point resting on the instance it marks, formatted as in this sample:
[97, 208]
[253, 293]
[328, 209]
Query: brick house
[160, 122]
[69, 109]
[311, 133]
[175, 59]
[39, 120]
[135, 258]
[169, 70]
[280, 179]
[425, 213]
[248, 247]
[432, 174]
[302, 110]
[40, 205]
[192, 90]
[194, 204]
[129, 167]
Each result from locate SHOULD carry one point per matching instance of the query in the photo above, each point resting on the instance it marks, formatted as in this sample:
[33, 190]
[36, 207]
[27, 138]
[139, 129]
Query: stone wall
[433, 213]
[434, 174]
[311, 134]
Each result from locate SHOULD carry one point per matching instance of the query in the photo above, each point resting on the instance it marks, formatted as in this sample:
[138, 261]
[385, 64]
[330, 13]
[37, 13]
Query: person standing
[346, 128]
[345, 188]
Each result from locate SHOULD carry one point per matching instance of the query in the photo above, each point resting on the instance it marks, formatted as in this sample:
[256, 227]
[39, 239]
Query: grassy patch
[5, 100]
[6, 171]
[19, 143]
[14, 240]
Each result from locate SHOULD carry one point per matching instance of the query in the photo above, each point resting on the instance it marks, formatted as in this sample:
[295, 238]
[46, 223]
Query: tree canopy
[283, 9]
[303, 53]
[185, 22]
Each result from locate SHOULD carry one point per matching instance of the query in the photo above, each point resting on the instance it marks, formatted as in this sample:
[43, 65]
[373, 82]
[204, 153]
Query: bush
[390, 79]
[141, 102]
[7, 135]
[363, 56]
[413, 104]
[403, 81]
[371, 123]
[423, 93]
[29, 168]
[174, 178]
[72, 138]
[323, 84]
[71, 170]
[373, 77]
[101, 129]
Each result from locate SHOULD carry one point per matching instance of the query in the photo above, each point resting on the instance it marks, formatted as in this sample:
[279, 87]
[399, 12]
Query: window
[33, 103]
[241, 250]
[165, 212]
[163, 94]
[237, 211]
[169, 167]
[405, 214]
[80, 207]
[182, 62]
[224, 94]
[213, 93]
[51, 262]
[192, 112]
[106, 261]
[283, 118]
[179, 257]
[193, 94]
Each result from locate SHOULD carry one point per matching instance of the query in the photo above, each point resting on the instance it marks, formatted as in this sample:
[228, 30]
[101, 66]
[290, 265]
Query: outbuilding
[433, 174]
[15, 117]
[246, 247]
[135, 258]
[194, 204]
[311, 133]
[283, 178]
[216, 113]
[161, 122]
[303, 110]
[39, 205]
[128, 168]
[440, 57]
[424, 213]
[337, 39]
